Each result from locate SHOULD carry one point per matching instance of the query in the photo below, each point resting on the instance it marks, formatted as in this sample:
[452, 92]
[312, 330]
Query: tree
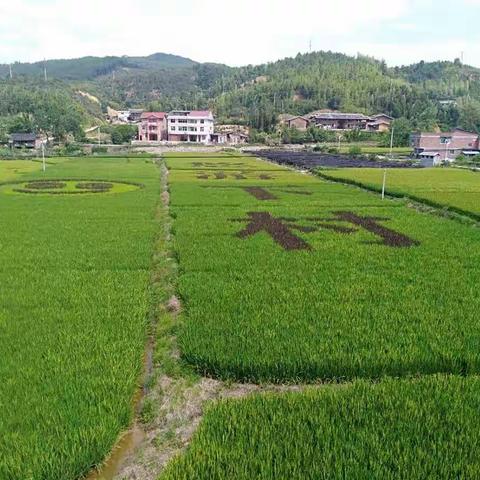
[469, 115]
[123, 133]
[402, 129]
[22, 123]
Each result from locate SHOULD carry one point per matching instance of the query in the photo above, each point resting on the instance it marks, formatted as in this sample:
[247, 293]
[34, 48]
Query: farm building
[298, 122]
[340, 121]
[24, 140]
[152, 127]
[231, 134]
[380, 123]
[445, 146]
[190, 126]
[331, 120]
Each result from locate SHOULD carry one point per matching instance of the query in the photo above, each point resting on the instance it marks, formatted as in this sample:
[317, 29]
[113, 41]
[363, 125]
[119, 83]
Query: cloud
[235, 32]
[249, 31]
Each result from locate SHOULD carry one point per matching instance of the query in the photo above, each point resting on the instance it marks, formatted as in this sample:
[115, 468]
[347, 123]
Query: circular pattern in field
[68, 187]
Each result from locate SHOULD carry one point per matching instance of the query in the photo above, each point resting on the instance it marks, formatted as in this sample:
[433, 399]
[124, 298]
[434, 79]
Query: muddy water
[125, 447]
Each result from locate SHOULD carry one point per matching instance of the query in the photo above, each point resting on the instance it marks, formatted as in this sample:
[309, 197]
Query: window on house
[202, 121]
[173, 129]
[172, 120]
[182, 120]
[445, 140]
[202, 129]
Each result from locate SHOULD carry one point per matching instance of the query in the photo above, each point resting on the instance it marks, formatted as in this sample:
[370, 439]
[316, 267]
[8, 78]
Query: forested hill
[89, 68]
[427, 95]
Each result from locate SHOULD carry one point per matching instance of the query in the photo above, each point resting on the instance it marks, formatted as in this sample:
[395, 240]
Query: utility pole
[310, 45]
[384, 183]
[45, 70]
[99, 134]
[43, 156]
[391, 143]
[10, 68]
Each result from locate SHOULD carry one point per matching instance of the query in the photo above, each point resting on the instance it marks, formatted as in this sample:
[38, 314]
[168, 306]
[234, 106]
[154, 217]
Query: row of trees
[27, 107]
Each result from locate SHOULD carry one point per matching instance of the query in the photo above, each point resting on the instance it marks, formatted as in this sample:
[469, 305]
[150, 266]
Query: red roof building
[153, 127]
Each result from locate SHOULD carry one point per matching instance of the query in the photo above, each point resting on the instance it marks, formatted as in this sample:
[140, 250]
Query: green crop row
[320, 296]
[74, 299]
[397, 429]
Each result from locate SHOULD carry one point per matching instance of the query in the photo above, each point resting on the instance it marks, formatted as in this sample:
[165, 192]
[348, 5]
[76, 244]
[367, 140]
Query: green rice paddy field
[396, 429]
[285, 277]
[456, 189]
[317, 280]
[74, 307]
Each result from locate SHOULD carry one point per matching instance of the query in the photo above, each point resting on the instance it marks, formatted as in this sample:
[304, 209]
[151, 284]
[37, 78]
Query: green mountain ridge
[88, 68]
[427, 95]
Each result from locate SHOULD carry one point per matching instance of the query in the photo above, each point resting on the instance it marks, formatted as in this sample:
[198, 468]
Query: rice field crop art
[455, 189]
[415, 429]
[74, 308]
[296, 279]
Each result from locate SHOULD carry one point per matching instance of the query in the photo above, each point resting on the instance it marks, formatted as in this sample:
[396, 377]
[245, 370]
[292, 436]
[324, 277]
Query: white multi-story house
[190, 126]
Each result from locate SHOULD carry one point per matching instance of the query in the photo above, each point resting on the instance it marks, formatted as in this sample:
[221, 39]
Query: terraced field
[458, 190]
[74, 305]
[288, 278]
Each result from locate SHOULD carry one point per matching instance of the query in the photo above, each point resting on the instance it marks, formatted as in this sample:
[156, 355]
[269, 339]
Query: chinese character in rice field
[221, 175]
[281, 230]
[389, 237]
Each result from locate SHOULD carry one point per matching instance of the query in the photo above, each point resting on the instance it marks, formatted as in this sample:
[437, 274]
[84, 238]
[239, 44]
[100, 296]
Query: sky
[241, 32]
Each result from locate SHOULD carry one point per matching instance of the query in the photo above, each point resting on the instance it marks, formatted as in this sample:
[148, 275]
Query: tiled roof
[340, 116]
[201, 113]
[159, 115]
[23, 137]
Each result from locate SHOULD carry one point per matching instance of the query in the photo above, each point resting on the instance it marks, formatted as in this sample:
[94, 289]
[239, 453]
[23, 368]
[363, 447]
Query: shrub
[99, 149]
[320, 148]
[355, 150]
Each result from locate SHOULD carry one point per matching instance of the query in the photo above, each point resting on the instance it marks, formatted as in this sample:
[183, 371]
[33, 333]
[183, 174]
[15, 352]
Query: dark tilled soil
[45, 185]
[279, 231]
[95, 186]
[260, 193]
[389, 237]
[310, 160]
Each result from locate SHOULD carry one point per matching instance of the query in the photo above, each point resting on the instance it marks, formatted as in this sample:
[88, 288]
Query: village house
[153, 127]
[330, 120]
[340, 121]
[124, 116]
[24, 140]
[445, 146]
[379, 123]
[298, 122]
[190, 126]
[230, 134]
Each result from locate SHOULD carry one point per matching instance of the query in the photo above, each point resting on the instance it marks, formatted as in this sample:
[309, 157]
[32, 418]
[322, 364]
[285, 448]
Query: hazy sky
[242, 31]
